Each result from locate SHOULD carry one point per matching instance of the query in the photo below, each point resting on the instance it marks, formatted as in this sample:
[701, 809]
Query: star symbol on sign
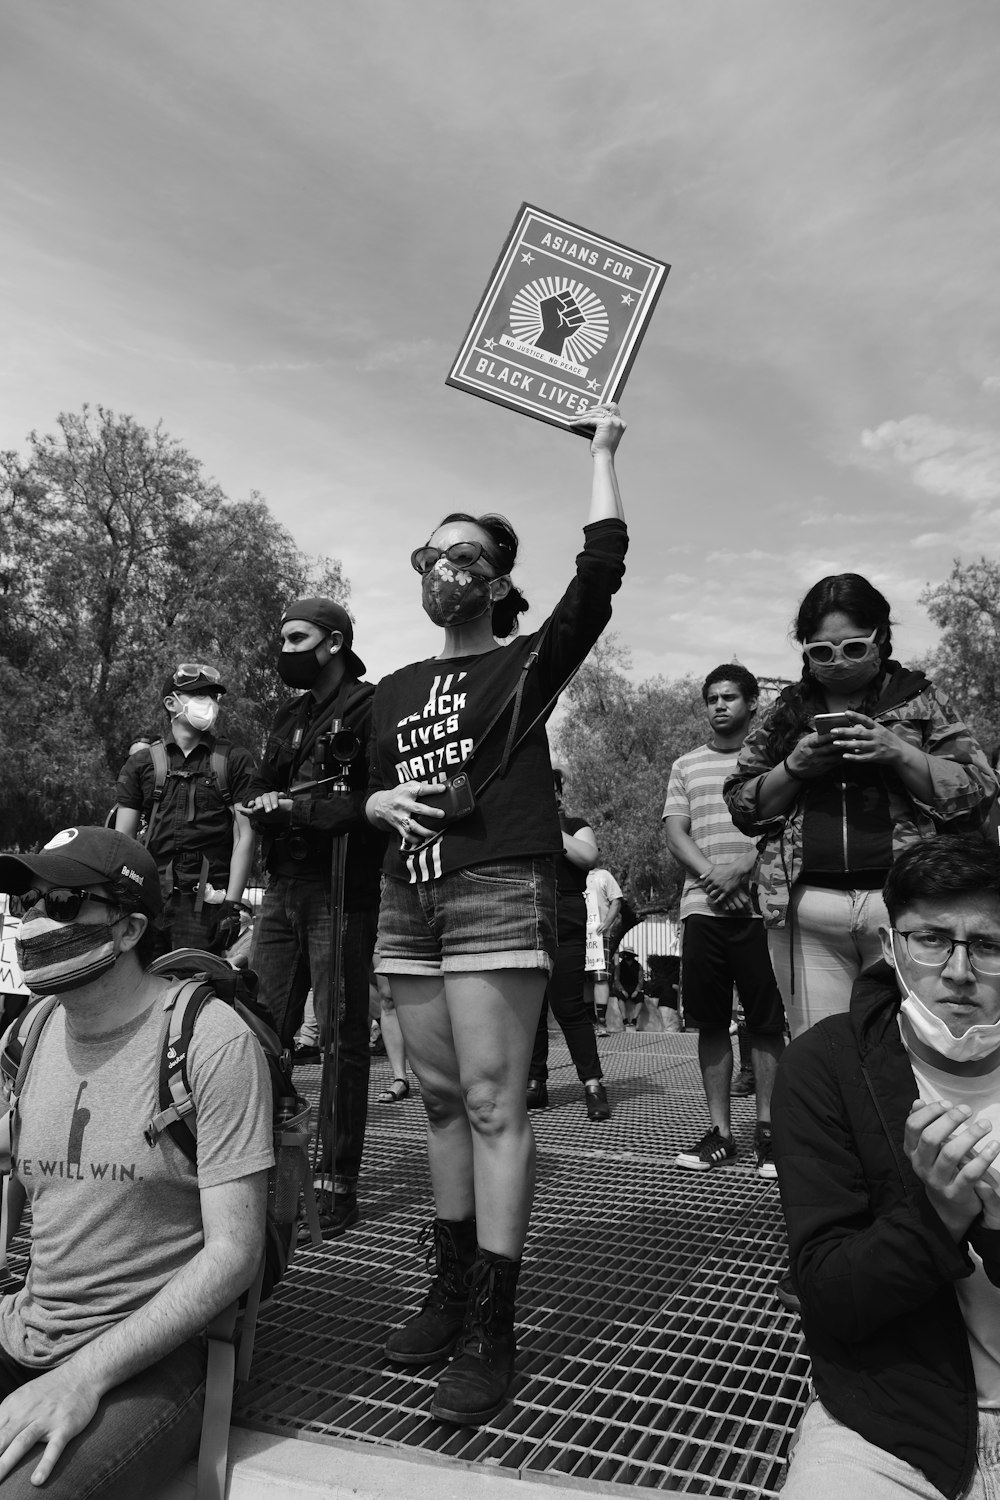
[627, 299]
[489, 344]
[527, 257]
[591, 385]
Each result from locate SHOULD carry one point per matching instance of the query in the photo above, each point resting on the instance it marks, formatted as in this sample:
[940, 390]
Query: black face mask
[299, 669]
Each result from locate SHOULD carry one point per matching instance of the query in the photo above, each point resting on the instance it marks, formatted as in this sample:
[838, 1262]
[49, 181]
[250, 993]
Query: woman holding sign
[848, 767]
[462, 782]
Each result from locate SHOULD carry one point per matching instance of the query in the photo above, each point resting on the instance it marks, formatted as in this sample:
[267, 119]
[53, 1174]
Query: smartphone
[826, 722]
[457, 798]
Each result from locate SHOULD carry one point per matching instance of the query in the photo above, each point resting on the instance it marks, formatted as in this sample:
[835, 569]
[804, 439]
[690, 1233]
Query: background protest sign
[560, 321]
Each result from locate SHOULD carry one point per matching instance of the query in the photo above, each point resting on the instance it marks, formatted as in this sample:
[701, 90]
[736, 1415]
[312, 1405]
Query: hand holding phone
[825, 722]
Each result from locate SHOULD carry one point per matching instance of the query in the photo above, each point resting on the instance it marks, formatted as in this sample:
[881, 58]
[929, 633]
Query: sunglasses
[825, 653]
[62, 903]
[462, 554]
[189, 671]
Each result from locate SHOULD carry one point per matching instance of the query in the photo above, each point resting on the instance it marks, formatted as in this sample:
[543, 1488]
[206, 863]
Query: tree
[117, 560]
[966, 663]
[616, 741]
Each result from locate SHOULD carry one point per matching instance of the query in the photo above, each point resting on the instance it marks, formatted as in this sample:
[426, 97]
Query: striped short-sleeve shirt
[695, 791]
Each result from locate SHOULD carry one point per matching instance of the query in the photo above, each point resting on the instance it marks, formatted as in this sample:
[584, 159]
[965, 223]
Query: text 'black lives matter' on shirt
[429, 715]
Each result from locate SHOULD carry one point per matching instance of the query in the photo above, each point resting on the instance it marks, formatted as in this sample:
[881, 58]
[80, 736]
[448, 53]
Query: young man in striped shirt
[723, 942]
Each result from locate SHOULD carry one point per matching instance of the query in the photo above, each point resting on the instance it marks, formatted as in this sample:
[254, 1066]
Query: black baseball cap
[193, 677]
[328, 615]
[88, 856]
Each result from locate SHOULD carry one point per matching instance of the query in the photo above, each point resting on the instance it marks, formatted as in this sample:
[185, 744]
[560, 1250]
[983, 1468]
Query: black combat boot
[433, 1332]
[475, 1386]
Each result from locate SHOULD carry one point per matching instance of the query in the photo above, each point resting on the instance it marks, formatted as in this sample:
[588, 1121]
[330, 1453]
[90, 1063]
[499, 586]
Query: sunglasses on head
[462, 554]
[824, 653]
[189, 672]
[62, 903]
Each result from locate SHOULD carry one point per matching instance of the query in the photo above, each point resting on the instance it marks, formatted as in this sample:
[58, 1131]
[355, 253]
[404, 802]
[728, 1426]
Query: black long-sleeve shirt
[427, 717]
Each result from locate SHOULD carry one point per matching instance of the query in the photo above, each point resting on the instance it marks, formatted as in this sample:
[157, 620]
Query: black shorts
[717, 953]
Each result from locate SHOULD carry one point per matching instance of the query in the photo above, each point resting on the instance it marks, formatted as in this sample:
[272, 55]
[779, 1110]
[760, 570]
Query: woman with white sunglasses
[848, 767]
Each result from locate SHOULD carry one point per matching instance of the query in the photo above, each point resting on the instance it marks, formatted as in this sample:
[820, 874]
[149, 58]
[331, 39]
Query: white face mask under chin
[976, 1043]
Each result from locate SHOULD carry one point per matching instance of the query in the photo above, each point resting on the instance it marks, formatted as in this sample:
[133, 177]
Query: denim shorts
[497, 915]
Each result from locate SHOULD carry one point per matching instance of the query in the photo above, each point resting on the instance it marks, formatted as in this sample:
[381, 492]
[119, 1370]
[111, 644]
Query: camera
[335, 750]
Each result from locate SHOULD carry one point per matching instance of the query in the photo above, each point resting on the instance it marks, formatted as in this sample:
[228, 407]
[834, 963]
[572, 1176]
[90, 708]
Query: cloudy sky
[268, 225]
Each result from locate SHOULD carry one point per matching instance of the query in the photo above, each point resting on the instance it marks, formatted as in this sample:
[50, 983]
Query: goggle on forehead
[188, 672]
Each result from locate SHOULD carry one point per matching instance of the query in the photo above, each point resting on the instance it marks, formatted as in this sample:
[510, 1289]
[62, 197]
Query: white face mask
[201, 713]
[976, 1043]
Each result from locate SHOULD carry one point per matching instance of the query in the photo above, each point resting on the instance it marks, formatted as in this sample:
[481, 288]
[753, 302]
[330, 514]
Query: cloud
[992, 384]
[959, 462]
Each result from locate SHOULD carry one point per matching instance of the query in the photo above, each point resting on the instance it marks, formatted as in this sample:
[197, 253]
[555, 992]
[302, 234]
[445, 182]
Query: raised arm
[605, 496]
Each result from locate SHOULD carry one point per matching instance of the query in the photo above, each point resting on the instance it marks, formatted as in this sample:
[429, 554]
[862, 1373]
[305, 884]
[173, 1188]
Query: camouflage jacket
[964, 786]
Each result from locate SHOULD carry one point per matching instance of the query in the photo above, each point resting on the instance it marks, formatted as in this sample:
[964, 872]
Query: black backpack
[206, 977]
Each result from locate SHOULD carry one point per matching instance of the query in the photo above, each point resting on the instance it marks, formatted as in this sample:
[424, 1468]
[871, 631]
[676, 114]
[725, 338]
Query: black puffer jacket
[874, 1265]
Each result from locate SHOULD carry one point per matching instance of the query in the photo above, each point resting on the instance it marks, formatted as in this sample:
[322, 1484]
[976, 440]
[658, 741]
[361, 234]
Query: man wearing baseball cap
[187, 787]
[292, 935]
[134, 1250]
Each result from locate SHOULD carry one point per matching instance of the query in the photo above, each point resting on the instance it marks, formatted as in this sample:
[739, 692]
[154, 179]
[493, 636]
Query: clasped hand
[51, 1409]
[940, 1140]
[723, 883]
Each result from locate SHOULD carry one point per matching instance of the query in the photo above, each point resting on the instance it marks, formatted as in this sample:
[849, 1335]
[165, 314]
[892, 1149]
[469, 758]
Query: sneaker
[713, 1150]
[601, 1030]
[764, 1148]
[743, 1083]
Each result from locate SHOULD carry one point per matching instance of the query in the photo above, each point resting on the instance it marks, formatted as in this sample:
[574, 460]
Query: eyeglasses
[825, 653]
[934, 949]
[62, 903]
[462, 554]
[189, 672]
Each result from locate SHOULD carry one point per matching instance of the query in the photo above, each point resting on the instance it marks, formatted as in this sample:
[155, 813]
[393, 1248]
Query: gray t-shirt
[112, 1218]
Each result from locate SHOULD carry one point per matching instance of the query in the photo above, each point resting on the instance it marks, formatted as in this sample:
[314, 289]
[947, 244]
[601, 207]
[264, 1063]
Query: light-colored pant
[828, 938]
[832, 1462]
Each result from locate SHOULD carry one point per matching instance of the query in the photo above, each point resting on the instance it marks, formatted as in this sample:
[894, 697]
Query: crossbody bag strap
[514, 696]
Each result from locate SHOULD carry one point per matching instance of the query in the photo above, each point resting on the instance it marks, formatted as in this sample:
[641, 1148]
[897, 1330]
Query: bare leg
[430, 1047]
[493, 1021]
[715, 1056]
[395, 1048]
[765, 1051]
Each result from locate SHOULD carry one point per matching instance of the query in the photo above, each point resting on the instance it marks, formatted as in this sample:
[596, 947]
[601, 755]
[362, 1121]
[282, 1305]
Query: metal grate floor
[652, 1351]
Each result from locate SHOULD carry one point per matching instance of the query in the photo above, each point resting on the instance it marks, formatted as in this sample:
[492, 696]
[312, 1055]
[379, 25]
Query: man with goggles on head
[887, 1143]
[292, 934]
[187, 787]
[134, 1249]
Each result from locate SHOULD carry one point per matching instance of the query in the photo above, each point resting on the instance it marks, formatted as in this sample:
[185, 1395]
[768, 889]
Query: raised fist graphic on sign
[561, 317]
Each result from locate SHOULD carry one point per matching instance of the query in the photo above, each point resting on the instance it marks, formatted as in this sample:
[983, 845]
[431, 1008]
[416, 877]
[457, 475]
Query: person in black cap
[292, 934]
[187, 787]
[134, 1250]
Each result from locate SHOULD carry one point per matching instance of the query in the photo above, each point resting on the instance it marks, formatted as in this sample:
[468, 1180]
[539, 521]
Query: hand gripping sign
[560, 321]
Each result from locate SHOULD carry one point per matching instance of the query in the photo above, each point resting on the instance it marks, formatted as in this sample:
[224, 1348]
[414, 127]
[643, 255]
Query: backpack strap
[158, 755]
[15, 1060]
[220, 770]
[176, 1113]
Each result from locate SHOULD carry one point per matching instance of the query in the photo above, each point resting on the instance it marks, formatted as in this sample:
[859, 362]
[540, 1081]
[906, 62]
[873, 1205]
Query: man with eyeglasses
[291, 943]
[134, 1249]
[188, 788]
[887, 1139]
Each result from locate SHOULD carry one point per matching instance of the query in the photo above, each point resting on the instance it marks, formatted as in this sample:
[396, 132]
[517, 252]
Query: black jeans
[564, 994]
